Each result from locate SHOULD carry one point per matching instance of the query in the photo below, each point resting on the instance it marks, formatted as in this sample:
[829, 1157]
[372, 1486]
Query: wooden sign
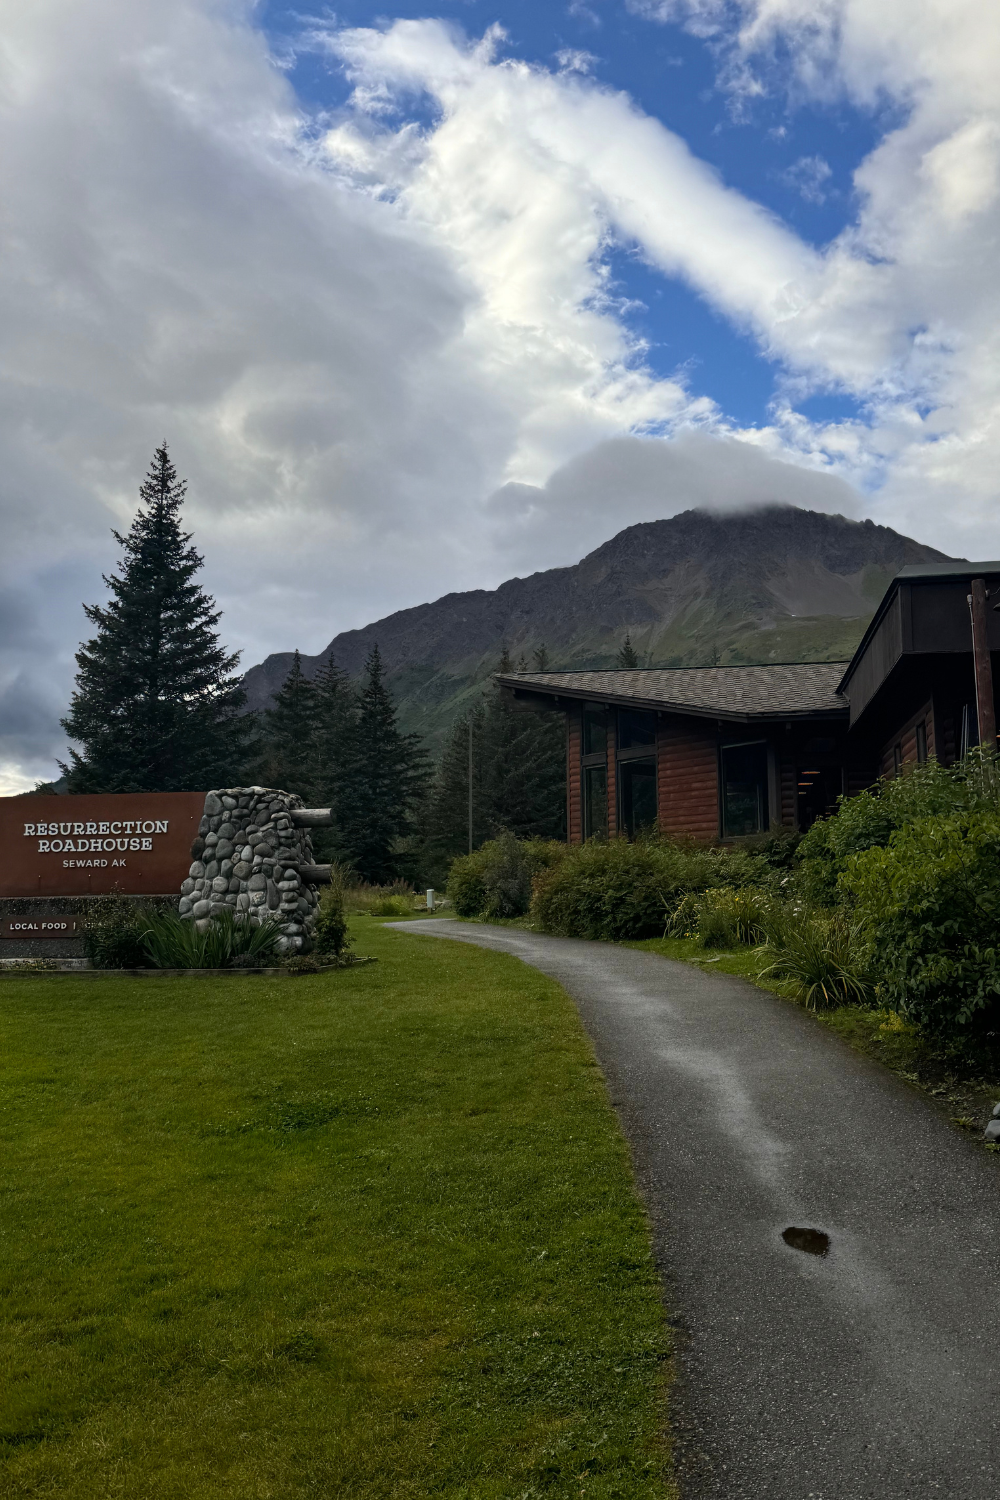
[136, 842]
[34, 925]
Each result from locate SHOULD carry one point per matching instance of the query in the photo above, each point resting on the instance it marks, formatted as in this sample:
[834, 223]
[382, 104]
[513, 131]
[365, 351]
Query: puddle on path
[810, 1241]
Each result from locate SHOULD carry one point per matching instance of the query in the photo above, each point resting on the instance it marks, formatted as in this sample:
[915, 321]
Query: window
[595, 731]
[744, 789]
[921, 733]
[595, 802]
[897, 760]
[637, 782]
[635, 729]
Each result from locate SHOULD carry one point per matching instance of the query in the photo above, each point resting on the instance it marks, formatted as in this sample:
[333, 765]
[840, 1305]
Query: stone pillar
[248, 855]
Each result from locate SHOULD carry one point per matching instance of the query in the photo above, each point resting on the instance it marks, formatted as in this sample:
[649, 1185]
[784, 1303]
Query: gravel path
[869, 1373]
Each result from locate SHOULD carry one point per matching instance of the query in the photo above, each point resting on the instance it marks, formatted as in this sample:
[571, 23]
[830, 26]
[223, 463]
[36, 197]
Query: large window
[595, 802]
[744, 789]
[635, 729]
[595, 771]
[595, 731]
[637, 781]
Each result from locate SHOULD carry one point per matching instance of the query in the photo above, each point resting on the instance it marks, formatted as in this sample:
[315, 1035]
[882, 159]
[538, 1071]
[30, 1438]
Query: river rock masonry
[254, 853]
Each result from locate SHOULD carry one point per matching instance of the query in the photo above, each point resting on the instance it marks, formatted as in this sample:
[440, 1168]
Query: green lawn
[368, 1233]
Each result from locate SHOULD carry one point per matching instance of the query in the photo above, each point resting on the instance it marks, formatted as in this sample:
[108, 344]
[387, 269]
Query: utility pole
[470, 783]
[982, 664]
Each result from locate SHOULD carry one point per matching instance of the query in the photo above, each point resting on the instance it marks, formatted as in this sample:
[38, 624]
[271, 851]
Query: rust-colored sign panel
[135, 842]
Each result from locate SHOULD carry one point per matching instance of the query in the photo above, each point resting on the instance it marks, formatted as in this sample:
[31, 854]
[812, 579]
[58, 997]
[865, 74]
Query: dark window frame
[592, 757]
[764, 786]
[635, 752]
[589, 831]
[920, 735]
[626, 764]
[897, 758]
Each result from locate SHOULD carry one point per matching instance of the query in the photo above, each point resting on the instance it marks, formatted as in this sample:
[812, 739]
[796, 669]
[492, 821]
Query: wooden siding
[880, 656]
[906, 737]
[612, 774]
[574, 777]
[687, 779]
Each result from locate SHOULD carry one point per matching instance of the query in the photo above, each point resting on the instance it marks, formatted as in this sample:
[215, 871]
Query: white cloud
[808, 177]
[645, 479]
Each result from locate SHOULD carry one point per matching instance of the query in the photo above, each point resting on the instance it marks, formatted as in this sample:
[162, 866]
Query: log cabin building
[720, 753]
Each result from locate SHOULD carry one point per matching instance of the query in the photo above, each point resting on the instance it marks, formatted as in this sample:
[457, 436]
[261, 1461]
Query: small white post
[430, 899]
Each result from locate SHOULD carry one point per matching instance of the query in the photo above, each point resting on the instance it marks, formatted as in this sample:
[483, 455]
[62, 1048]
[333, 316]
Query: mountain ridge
[694, 589]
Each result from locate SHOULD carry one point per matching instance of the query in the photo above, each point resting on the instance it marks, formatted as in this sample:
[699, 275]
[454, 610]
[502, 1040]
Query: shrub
[869, 820]
[620, 890]
[173, 942]
[929, 905]
[331, 923]
[496, 879]
[113, 933]
[727, 916]
[818, 961]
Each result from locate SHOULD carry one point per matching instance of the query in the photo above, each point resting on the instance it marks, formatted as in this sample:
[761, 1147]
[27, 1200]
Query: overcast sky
[427, 297]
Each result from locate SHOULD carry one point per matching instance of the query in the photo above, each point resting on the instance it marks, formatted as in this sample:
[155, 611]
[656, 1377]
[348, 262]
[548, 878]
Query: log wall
[612, 775]
[574, 776]
[906, 738]
[687, 779]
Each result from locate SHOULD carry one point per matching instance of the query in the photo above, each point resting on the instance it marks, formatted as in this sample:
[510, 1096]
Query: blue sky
[426, 296]
[797, 157]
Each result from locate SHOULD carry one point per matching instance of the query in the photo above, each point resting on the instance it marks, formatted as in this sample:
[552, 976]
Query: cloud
[643, 479]
[807, 176]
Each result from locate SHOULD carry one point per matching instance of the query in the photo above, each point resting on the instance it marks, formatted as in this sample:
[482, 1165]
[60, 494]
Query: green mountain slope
[779, 584]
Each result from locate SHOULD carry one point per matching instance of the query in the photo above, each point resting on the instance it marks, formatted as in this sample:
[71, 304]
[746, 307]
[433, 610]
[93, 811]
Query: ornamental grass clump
[729, 916]
[229, 940]
[817, 961]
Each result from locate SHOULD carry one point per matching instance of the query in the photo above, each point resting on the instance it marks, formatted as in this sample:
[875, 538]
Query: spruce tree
[518, 779]
[522, 770]
[336, 721]
[446, 831]
[384, 783]
[290, 752]
[627, 657]
[157, 706]
[336, 716]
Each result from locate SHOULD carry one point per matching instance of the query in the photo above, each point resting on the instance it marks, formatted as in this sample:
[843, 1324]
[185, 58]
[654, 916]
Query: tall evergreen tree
[290, 751]
[336, 723]
[336, 717]
[518, 779]
[157, 706]
[384, 783]
[627, 656]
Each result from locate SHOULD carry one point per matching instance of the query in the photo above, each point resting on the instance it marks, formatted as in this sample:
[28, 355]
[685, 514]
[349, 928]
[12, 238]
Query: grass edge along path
[371, 1234]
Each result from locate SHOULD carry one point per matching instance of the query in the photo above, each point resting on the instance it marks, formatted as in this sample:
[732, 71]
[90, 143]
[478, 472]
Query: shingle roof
[717, 692]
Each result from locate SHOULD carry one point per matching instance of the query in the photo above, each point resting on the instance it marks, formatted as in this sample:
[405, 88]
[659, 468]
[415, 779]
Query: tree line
[158, 706]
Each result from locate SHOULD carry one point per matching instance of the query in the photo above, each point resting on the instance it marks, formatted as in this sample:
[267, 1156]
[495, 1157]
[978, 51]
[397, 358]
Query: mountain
[778, 584]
